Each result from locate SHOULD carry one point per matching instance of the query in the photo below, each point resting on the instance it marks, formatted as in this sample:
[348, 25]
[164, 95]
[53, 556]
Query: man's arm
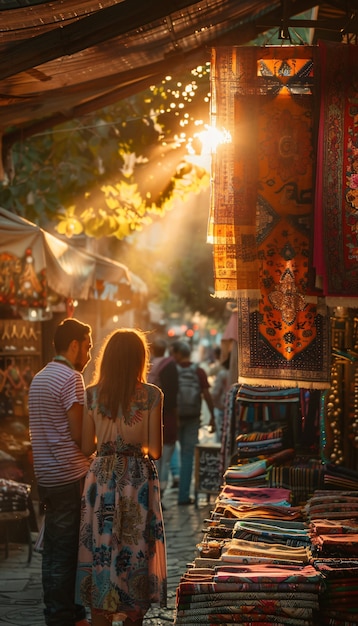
[204, 385]
[88, 443]
[75, 417]
[209, 402]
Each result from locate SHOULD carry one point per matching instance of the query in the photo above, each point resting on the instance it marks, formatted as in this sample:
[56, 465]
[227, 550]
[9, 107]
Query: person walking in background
[122, 552]
[56, 400]
[193, 386]
[218, 393]
[164, 374]
[174, 464]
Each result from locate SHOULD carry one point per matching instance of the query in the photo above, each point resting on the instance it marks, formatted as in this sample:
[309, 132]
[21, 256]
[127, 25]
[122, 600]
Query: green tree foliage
[108, 174]
[116, 172]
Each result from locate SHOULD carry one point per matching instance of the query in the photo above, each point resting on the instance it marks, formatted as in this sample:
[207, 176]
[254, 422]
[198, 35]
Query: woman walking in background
[122, 556]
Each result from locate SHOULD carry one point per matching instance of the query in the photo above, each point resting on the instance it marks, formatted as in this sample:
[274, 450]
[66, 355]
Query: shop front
[42, 281]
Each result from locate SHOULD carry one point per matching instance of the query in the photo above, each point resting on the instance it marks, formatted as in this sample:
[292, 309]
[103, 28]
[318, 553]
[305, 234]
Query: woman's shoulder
[152, 389]
[91, 394]
[147, 391]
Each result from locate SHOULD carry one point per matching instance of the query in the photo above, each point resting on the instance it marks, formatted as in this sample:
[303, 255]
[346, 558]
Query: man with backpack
[163, 373]
[193, 386]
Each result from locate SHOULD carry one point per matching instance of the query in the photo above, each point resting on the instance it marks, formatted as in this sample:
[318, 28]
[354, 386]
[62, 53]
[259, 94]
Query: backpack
[189, 394]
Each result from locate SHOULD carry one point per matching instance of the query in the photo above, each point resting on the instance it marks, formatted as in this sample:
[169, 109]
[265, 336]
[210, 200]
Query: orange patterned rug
[262, 212]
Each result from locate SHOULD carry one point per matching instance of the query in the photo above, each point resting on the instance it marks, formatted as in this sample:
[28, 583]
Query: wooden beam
[126, 84]
[85, 32]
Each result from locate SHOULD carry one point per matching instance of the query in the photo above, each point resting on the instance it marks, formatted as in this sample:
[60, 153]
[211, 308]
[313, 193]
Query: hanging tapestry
[232, 223]
[262, 212]
[336, 211]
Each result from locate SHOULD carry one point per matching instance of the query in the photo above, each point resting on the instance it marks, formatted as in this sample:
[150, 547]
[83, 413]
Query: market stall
[44, 279]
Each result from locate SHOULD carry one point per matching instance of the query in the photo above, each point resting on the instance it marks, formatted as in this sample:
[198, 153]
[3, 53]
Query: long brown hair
[122, 363]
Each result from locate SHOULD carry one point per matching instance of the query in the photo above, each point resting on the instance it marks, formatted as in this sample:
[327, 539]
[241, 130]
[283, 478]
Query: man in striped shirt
[56, 400]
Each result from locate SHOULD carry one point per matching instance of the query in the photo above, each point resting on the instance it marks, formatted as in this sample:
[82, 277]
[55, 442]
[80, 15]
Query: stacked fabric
[230, 494]
[257, 444]
[333, 517]
[252, 595]
[254, 564]
[338, 601]
[332, 505]
[333, 525]
[254, 472]
[260, 503]
[266, 395]
[273, 532]
[342, 478]
[259, 551]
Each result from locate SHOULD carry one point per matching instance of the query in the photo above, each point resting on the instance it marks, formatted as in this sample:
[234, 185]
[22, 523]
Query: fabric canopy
[33, 261]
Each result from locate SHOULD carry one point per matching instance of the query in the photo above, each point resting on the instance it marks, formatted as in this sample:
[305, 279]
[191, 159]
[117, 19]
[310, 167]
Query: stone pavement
[20, 583]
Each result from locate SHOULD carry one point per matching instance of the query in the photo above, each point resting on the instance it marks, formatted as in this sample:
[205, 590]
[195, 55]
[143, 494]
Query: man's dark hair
[68, 330]
[181, 347]
[159, 347]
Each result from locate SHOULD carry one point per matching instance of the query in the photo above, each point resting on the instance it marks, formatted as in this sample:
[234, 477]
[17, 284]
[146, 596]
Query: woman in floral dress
[122, 556]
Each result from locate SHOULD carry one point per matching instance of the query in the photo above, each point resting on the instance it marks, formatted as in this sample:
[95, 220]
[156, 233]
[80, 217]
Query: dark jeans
[59, 558]
[188, 438]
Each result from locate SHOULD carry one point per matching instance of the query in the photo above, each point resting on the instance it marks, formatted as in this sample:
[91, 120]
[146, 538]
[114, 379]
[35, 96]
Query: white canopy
[33, 261]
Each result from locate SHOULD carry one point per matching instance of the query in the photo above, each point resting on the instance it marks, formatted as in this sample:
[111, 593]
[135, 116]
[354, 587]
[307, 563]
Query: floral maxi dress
[122, 553]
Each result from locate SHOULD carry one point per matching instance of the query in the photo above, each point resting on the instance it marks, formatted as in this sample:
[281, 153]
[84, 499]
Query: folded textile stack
[333, 525]
[264, 394]
[260, 503]
[332, 505]
[333, 517]
[257, 444]
[263, 594]
[273, 532]
[260, 511]
[253, 565]
[231, 494]
[342, 478]
[260, 551]
[338, 600]
[337, 546]
[254, 472]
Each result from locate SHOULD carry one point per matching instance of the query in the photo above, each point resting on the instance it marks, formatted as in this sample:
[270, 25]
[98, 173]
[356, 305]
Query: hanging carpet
[261, 222]
[336, 211]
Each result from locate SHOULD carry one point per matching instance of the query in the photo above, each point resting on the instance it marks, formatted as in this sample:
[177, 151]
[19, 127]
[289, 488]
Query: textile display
[334, 535]
[332, 505]
[263, 560]
[339, 600]
[336, 212]
[265, 594]
[262, 212]
[253, 567]
[337, 477]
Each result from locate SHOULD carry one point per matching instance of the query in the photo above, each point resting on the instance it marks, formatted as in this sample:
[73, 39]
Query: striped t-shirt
[57, 458]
